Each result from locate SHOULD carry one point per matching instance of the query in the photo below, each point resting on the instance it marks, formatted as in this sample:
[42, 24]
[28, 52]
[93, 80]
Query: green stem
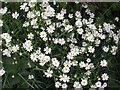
[25, 80]
[5, 80]
[107, 9]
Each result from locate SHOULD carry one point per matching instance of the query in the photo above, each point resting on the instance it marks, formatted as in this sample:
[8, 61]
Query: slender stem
[25, 80]
[107, 9]
[5, 81]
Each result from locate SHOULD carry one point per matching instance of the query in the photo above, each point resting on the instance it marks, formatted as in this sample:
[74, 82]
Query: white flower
[91, 49]
[42, 63]
[55, 62]
[46, 58]
[70, 56]
[33, 57]
[90, 19]
[44, 16]
[91, 65]
[105, 49]
[88, 60]
[87, 11]
[92, 26]
[64, 85]
[88, 72]
[105, 76]
[29, 48]
[43, 34]
[64, 78]
[30, 36]
[1, 23]
[48, 73]
[78, 14]
[84, 82]
[15, 15]
[61, 41]
[114, 49]
[89, 37]
[65, 70]
[87, 66]
[67, 63]
[45, 1]
[93, 86]
[41, 56]
[25, 24]
[92, 15]
[31, 77]
[104, 85]
[7, 52]
[55, 40]
[84, 5]
[38, 13]
[33, 0]
[31, 4]
[48, 22]
[49, 11]
[2, 71]
[77, 85]
[83, 49]
[3, 10]
[15, 48]
[6, 36]
[77, 2]
[70, 15]
[47, 50]
[35, 26]
[60, 16]
[57, 84]
[50, 29]
[80, 31]
[34, 22]
[116, 19]
[30, 15]
[38, 51]
[22, 7]
[68, 28]
[102, 36]
[98, 84]
[63, 11]
[74, 63]
[82, 64]
[103, 63]
[75, 51]
[97, 42]
[26, 9]
[78, 23]
[27, 43]
[73, 40]
[45, 39]
[85, 21]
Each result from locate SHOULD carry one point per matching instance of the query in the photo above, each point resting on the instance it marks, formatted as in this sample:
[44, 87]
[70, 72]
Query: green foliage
[18, 69]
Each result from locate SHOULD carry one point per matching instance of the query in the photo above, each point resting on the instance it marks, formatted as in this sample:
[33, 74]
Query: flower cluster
[70, 47]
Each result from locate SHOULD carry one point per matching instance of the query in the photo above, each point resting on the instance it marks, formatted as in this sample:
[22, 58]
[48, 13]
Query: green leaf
[63, 4]
[9, 66]
[14, 81]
